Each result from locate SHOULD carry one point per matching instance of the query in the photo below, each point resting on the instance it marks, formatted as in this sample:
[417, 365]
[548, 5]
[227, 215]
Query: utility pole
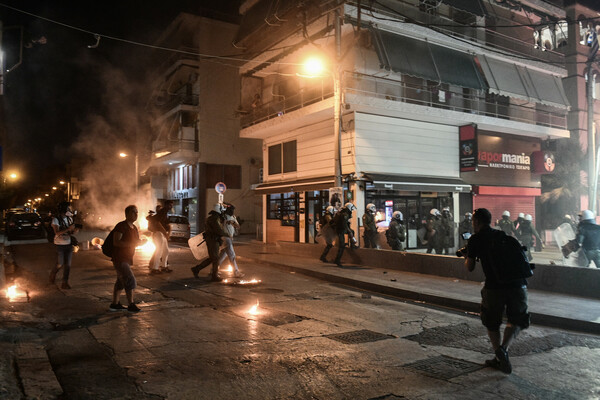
[337, 88]
[592, 176]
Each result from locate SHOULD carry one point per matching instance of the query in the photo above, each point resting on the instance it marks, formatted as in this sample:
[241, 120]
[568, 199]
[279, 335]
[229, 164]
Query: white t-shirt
[63, 238]
[230, 220]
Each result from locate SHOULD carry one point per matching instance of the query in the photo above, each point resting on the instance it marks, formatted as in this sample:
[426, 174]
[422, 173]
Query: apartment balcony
[181, 100]
[467, 101]
[171, 151]
[477, 35]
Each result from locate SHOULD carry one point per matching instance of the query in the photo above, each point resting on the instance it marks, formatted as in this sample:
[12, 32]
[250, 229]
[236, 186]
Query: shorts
[125, 278]
[495, 301]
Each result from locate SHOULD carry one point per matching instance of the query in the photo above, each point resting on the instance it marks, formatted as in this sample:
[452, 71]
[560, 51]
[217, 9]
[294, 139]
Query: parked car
[180, 227]
[24, 225]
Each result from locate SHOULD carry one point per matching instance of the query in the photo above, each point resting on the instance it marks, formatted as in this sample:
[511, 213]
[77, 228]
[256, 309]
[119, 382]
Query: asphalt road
[307, 340]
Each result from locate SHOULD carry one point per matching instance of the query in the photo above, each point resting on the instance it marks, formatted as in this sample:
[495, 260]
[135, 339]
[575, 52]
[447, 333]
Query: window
[230, 175]
[282, 158]
[282, 206]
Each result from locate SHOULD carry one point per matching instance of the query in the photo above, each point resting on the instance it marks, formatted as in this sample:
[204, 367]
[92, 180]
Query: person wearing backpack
[395, 233]
[497, 295]
[63, 228]
[125, 238]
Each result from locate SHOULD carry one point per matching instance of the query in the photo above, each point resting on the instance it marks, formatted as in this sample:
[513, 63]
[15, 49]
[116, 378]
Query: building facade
[414, 76]
[196, 141]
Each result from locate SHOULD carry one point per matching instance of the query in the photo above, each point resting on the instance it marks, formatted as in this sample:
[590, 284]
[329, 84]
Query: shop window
[282, 158]
[231, 175]
[282, 207]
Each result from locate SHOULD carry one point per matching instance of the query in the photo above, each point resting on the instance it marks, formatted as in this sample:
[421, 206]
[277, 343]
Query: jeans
[161, 254]
[65, 254]
[228, 252]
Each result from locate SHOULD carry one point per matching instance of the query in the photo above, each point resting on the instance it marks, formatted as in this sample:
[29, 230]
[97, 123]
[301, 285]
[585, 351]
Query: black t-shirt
[479, 246]
[130, 236]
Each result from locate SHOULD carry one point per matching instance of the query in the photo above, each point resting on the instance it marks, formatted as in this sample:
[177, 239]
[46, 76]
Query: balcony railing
[174, 145]
[476, 35]
[183, 96]
[466, 101]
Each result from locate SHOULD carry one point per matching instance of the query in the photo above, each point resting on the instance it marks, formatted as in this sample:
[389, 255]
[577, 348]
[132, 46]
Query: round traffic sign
[220, 187]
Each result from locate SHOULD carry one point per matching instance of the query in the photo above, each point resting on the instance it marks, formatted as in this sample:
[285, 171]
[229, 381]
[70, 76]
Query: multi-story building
[196, 141]
[442, 104]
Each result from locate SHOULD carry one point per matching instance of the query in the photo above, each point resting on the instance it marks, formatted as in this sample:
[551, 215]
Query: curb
[416, 297]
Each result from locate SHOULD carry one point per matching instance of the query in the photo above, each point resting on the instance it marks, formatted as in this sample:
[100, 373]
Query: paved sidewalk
[549, 309]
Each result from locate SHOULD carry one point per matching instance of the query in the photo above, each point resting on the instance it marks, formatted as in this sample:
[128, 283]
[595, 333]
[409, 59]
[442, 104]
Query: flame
[243, 282]
[11, 292]
[254, 309]
[147, 248]
[228, 269]
[143, 223]
[379, 216]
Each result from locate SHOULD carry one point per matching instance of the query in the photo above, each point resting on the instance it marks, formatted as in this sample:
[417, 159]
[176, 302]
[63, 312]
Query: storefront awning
[417, 184]
[507, 79]
[299, 185]
[474, 7]
[425, 60]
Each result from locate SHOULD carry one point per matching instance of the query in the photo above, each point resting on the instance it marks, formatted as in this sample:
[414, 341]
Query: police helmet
[351, 207]
[528, 218]
[371, 207]
[468, 215]
[521, 215]
[434, 211]
[506, 213]
[397, 215]
[587, 215]
[330, 210]
[447, 209]
[218, 207]
[567, 216]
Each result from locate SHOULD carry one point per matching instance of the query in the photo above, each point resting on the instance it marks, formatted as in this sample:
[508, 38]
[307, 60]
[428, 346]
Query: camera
[462, 252]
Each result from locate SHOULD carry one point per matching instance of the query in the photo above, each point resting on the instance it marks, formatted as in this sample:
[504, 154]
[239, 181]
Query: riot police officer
[326, 231]
[526, 232]
[588, 237]
[370, 228]
[434, 231]
[447, 224]
[506, 224]
[466, 226]
[341, 224]
[395, 233]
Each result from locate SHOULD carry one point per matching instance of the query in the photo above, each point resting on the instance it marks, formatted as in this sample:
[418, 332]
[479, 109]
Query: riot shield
[562, 235]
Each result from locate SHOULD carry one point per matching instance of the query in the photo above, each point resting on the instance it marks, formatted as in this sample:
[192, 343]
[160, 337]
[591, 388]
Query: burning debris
[16, 295]
[254, 309]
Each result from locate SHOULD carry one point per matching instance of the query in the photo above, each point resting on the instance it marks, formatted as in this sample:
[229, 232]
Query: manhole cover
[355, 337]
[266, 290]
[443, 367]
[280, 318]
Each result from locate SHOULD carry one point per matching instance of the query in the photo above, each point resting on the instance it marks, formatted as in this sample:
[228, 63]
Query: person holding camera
[496, 297]
[63, 227]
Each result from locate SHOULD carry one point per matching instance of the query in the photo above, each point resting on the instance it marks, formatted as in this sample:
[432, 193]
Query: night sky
[61, 85]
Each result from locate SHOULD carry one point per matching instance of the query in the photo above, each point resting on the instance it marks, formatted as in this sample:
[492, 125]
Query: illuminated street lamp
[125, 155]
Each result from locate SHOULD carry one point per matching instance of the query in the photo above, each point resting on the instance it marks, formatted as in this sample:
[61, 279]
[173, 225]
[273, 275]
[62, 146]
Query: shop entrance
[316, 202]
[414, 206]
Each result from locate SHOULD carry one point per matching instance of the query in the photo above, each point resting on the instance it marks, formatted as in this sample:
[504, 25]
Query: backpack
[108, 248]
[508, 258]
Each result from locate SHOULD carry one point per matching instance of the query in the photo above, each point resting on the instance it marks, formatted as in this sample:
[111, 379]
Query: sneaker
[195, 272]
[239, 274]
[166, 269]
[133, 308]
[65, 285]
[502, 356]
[117, 307]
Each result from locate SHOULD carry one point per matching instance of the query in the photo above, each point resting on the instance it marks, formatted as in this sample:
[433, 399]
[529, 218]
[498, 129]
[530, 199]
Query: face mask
[69, 214]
